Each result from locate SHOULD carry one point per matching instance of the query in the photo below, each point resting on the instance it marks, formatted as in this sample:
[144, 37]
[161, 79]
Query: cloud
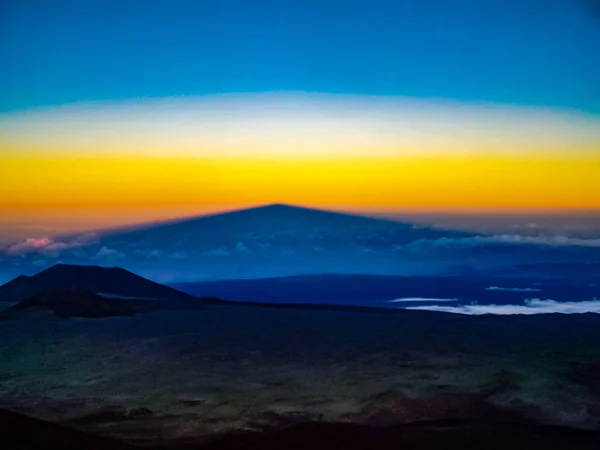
[29, 245]
[178, 255]
[514, 289]
[554, 240]
[39, 263]
[559, 241]
[150, 253]
[422, 299]
[241, 248]
[49, 246]
[530, 306]
[109, 253]
[216, 252]
[365, 250]
[76, 252]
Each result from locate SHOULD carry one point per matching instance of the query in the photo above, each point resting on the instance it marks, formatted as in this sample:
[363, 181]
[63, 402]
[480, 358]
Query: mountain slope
[107, 281]
[74, 303]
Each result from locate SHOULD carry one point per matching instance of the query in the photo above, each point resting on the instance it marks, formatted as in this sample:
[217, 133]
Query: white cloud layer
[512, 289]
[217, 252]
[49, 246]
[551, 240]
[109, 254]
[422, 299]
[530, 306]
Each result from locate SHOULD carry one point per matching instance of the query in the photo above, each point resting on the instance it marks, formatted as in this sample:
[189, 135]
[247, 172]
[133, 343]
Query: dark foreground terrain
[175, 378]
[19, 432]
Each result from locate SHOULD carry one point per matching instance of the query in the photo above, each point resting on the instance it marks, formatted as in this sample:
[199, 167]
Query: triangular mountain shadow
[277, 215]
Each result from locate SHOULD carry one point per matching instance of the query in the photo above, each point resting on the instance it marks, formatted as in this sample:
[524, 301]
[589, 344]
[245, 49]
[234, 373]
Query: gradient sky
[121, 111]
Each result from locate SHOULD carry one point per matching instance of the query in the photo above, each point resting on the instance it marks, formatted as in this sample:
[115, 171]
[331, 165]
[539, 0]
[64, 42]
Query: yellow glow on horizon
[397, 183]
[135, 161]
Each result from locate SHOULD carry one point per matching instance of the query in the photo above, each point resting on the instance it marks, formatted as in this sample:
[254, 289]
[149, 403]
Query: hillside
[74, 302]
[110, 282]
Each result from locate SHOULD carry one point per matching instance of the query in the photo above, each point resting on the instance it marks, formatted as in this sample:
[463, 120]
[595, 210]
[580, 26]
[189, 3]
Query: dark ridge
[430, 435]
[379, 290]
[74, 302]
[582, 317]
[17, 288]
[147, 295]
[101, 280]
[19, 432]
[326, 307]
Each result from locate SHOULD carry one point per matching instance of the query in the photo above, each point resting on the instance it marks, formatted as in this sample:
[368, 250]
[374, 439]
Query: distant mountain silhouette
[110, 282]
[74, 302]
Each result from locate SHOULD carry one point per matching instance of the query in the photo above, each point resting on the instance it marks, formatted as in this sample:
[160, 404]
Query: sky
[114, 112]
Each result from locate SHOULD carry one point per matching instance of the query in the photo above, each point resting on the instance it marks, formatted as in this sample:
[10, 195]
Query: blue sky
[520, 52]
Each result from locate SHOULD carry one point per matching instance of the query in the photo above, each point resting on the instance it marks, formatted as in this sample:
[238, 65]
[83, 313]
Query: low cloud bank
[549, 240]
[512, 289]
[109, 254]
[423, 299]
[530, 306]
